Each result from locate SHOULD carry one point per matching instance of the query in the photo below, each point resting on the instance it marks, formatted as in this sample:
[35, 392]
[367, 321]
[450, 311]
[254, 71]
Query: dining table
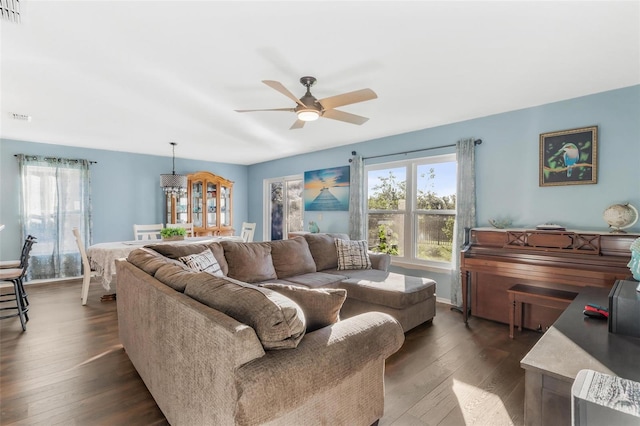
[103, 256]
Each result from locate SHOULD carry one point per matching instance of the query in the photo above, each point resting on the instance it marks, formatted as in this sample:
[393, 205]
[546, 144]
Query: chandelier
[173, 184]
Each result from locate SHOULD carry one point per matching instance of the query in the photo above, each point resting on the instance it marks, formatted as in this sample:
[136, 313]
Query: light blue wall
[125, 189]
[125, 186]
[506, 164]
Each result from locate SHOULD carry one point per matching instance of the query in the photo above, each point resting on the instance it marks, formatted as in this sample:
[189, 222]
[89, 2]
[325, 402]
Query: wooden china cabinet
[209, 198]
[176, 208]
[207, 204]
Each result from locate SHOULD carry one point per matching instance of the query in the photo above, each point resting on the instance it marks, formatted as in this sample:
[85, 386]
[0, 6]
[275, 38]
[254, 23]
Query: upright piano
[492, 260]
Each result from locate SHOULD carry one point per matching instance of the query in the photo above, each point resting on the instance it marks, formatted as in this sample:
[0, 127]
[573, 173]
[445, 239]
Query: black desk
[573, 343]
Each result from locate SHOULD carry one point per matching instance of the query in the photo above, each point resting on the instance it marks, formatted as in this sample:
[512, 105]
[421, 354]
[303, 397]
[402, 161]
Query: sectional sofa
[272, 333]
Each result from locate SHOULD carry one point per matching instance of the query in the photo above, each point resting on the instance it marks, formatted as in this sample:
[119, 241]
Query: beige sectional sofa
[260, 342]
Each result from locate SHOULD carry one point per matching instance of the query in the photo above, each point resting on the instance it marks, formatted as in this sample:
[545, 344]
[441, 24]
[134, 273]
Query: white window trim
[409, 260]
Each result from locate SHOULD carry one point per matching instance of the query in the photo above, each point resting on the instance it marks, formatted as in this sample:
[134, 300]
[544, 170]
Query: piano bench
[520, 294]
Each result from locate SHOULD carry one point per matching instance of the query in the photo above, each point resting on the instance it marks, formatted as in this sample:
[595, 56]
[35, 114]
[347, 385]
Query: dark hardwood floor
[68, 368]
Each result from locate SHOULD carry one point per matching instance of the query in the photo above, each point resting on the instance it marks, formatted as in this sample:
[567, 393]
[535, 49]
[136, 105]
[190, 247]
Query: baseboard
[443, 300]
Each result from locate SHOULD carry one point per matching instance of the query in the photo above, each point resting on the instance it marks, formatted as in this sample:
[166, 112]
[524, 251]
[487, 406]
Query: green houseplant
[173, 234]
[384, 245]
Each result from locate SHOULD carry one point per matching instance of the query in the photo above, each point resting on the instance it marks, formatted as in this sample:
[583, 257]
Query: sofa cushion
[150, 261]
[175, 276]
[321, 307]
[176, 251]
[277, 320]
[323, 250]
[249, 262]
[387, 288]
[203, 262]
[292, 257]
[316, 280]
[352, 254]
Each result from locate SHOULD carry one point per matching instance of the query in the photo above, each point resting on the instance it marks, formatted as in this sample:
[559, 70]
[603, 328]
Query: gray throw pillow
[321, 306]
[277, 320]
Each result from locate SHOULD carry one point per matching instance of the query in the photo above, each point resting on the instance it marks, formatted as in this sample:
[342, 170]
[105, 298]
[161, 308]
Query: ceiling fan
[309, 108]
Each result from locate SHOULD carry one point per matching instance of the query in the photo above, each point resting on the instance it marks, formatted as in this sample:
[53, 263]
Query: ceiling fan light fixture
[308, 115]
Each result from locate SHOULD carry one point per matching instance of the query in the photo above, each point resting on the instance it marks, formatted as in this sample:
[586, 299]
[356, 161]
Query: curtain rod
[476, 142]
[59, 158]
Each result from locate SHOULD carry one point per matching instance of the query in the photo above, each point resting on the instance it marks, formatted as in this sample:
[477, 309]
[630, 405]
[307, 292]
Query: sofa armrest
[323, 359]
[380, 261]
[184, 351]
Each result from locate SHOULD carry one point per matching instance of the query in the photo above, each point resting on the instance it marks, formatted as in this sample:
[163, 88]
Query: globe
[620, 216]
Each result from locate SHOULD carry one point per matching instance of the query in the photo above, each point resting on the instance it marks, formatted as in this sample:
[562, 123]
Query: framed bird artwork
[569, 157]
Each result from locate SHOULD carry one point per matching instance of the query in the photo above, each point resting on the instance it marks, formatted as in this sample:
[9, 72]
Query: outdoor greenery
[384, 246]
[435, 231]
[389, 192]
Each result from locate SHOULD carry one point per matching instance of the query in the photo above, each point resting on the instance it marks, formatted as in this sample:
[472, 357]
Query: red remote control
[590, 307]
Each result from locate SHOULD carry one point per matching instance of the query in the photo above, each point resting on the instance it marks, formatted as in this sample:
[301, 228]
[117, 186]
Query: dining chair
[19, 295]
[147, 232]
[87, 272]
[7, 264]
[187, 226]
[247, 230]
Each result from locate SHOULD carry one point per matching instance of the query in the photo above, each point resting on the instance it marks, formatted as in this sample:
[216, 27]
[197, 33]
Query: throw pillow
[277, 320]
[352, 254]
[321, 306]
[203, 262]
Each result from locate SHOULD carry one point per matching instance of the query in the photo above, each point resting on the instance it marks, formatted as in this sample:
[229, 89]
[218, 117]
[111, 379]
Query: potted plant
[173, 234]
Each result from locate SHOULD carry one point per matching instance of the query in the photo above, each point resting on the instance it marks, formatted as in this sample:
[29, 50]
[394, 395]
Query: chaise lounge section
[312, 262]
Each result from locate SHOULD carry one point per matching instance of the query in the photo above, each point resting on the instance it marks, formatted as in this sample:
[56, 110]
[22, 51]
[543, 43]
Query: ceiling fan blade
[280, 88]
[298, 124]
[348, 98]
[334, 114]
[270, 109]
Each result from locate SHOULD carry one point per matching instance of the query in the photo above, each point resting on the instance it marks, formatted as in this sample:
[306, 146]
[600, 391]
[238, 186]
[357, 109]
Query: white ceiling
[133, 75]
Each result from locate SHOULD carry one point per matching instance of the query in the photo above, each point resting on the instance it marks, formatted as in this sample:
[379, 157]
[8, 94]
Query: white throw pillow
[203, 262]
[352, 254]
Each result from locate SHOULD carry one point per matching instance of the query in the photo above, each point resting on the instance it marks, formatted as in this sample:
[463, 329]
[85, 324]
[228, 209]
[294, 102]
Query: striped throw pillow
[203, 262]
[352, 254]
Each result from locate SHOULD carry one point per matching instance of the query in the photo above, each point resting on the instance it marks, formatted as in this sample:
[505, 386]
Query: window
[54, 200]
[283, 208]
[411, 209]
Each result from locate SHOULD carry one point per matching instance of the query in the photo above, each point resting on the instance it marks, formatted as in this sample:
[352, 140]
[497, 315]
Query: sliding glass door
[283, 211]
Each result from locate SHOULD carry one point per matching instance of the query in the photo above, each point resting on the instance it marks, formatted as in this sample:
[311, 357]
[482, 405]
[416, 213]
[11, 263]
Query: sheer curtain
[54, 198]
[356, 199]
[465, 209]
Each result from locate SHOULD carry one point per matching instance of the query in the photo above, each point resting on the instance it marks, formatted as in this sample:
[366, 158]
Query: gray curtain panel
[54, 198]
[465, 210]
[357, 199]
